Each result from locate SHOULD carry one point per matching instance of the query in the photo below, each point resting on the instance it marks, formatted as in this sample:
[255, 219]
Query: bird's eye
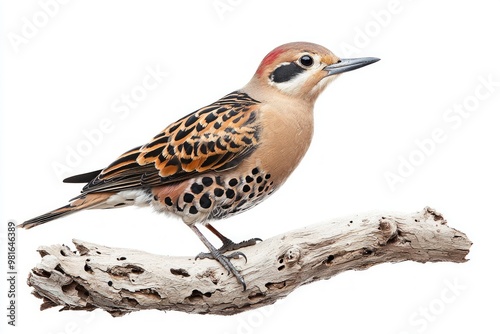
[306, 61]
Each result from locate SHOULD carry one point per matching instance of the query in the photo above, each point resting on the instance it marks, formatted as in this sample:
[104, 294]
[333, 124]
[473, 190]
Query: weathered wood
[124, 280]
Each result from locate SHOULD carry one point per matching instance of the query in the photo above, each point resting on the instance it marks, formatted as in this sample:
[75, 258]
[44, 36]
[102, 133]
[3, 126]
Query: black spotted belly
[214, 196]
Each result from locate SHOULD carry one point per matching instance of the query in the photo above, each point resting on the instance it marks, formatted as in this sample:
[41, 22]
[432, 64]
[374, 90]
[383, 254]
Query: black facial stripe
[286, 72]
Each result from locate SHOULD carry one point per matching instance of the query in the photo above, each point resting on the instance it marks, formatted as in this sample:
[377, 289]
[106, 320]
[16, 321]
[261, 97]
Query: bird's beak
[349, 64]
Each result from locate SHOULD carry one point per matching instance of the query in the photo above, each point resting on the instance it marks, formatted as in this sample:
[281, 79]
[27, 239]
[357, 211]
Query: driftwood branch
[124, 280]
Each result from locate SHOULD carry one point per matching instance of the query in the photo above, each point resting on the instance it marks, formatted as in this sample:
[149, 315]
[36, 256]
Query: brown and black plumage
[223, 158]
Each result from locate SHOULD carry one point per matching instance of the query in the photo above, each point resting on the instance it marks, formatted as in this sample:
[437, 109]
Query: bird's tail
[88, 201]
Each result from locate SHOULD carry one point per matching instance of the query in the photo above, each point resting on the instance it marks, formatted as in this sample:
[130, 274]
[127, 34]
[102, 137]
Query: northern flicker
[224, 158]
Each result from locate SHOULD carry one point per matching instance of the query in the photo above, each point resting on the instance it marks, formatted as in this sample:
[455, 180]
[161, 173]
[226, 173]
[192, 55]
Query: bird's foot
[217, 254]
[228, 245]
[235, 255]
[225, 261]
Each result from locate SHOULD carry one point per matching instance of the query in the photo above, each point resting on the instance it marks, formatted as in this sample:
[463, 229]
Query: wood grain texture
[125, 280]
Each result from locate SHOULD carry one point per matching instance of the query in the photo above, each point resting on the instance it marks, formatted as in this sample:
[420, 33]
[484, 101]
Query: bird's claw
[229, 245]
[235, 255]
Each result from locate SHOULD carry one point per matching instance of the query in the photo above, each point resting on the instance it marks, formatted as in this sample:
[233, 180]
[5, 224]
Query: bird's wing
[215, 137]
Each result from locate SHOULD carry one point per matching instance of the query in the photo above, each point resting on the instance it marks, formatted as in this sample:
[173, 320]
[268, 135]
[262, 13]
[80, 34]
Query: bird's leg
[228, 244]
[223, 259]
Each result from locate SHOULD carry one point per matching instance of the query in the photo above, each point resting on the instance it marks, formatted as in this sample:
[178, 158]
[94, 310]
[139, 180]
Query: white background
[65, 78]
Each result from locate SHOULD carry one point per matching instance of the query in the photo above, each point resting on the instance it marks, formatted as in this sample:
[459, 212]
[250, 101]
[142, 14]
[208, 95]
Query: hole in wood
[43, 253]
[59, 269]
[275, 286]
[197, 296]
[41, 272]
[69, 287]
[149, 293]
[126, 270]
[329, 259]
[130, 301]
[368, 251]
[82, 292]
[256, 295]
[179, 272]
[87, 268]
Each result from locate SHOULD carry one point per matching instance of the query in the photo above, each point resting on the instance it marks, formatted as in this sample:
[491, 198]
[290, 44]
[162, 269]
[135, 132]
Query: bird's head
[303, 69]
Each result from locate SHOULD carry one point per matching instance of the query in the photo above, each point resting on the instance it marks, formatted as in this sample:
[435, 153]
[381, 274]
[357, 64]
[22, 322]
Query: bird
[224, 158]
